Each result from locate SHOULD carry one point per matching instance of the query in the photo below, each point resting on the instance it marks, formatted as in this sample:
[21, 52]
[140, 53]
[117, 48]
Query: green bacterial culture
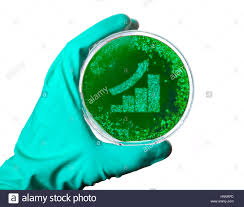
[135, 87]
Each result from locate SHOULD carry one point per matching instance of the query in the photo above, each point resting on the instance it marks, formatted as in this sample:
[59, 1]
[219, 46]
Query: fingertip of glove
[134, 25]
[168, 148]
[161, 151]
[120, 22]
[122, 19]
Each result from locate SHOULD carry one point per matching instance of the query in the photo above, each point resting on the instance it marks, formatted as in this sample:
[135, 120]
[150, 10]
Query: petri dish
[136, 88]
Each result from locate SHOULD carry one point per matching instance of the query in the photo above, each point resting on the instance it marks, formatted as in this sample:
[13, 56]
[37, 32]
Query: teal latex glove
[56, 149]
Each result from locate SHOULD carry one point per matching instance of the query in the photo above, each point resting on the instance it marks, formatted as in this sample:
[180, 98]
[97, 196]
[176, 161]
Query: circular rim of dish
[99, 131]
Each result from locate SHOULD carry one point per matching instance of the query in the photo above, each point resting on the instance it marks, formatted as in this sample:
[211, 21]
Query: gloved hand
[56, 149]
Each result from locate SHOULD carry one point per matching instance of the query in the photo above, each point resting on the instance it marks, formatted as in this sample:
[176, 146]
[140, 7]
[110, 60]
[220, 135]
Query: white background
[208, 150]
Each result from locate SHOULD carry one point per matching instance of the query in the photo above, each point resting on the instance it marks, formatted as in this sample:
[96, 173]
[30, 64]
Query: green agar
[136, 88]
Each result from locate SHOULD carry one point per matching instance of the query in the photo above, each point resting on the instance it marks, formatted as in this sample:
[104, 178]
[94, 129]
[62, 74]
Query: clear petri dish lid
[136, 88]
